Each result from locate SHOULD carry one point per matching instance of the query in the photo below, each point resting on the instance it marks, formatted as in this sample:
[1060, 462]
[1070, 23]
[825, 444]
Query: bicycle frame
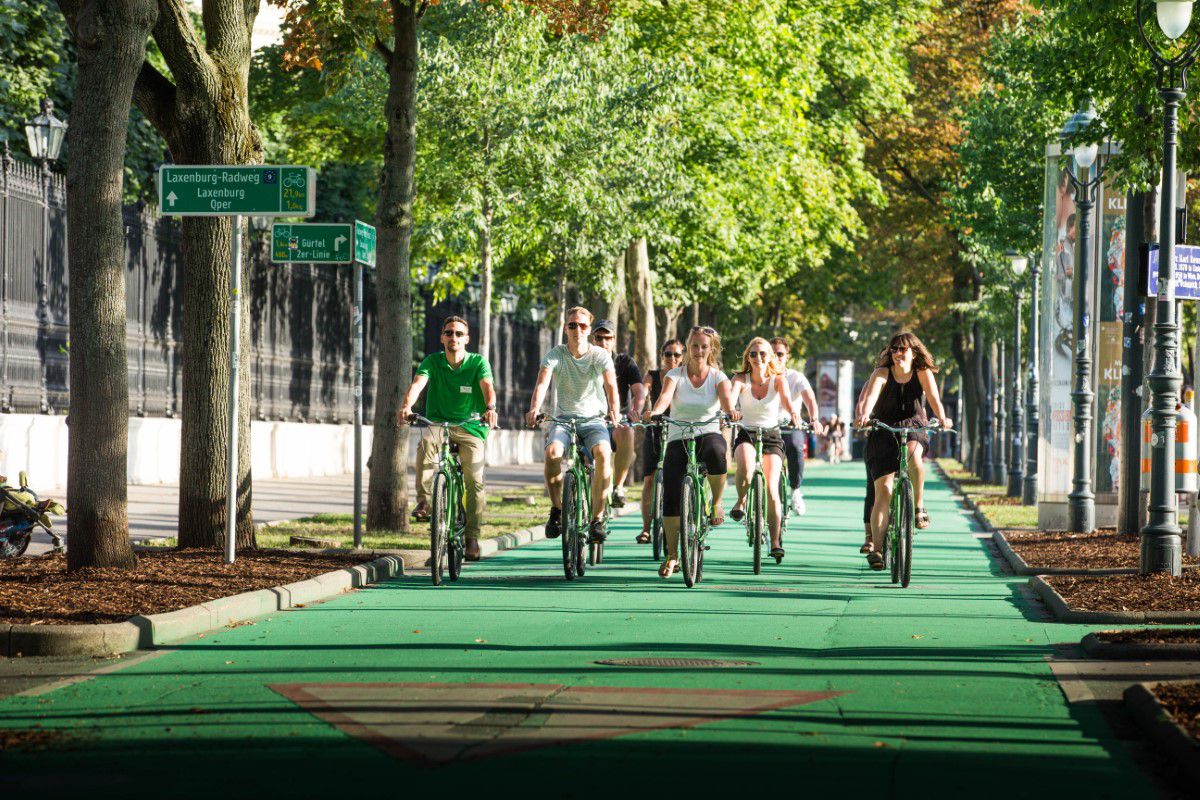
[574, 531]
[455, 521]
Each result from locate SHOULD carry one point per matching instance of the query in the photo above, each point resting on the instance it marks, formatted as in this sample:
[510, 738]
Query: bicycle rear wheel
[656, 523]
[456, 547]
[754, 500]
[689, 532]
[904, 544]
[439, 528]
[567, 523]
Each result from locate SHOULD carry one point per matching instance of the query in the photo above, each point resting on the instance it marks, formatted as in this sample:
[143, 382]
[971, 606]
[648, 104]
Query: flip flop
[922, 519]
[875, 561]
[668, 568]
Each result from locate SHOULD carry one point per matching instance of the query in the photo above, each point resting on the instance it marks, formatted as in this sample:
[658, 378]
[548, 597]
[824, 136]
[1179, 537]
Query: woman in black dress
[895, 394]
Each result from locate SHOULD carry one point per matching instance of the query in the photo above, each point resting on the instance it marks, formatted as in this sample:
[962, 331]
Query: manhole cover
[683, 663]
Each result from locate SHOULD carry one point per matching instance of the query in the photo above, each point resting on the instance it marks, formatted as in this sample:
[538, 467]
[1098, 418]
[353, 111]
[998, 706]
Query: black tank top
[901, 402]
[655, 384]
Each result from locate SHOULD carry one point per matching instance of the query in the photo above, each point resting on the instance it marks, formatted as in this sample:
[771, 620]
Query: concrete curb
[1162, 728]
[1097, 648]
[156, 629]
[1021, 567]
[1064, 613]
[984, 523]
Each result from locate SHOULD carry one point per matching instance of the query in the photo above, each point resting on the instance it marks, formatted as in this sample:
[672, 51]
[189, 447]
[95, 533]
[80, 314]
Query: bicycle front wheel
[756, 519]
[689, 532]
[904, 544]
[456, 547]
[568, 524]
[656, 523]
[439, 528]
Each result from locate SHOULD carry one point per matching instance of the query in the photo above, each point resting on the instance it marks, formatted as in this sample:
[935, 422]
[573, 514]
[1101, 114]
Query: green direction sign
[185, 190]
[312, 243]
[364, 243]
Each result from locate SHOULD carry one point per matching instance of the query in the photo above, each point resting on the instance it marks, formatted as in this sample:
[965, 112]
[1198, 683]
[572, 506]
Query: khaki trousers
[472, 455]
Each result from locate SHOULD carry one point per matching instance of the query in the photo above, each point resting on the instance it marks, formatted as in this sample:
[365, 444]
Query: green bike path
[854, 686]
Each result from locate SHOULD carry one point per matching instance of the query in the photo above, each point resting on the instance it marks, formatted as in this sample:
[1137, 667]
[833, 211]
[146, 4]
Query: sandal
[643, 537]
[716, 520]
[777, 553]
[668, 568]
[867, 547]
[736, 513]
[875, 561]
[922, 519]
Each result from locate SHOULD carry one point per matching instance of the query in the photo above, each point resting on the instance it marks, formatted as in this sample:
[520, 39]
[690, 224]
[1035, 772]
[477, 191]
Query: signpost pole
[235, 327]
[358, 400]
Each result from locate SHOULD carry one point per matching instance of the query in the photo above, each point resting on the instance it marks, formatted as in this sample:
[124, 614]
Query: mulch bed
[1129, 592]
[1182, 701]
[40, 591]
[1104, 549]
[1152, 636]
[30, 739]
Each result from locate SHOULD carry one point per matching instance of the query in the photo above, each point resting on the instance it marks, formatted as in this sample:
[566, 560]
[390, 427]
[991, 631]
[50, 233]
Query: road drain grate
[682, 663]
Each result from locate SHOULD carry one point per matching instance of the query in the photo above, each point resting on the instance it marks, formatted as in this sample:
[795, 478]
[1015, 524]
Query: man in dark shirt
[631, 393]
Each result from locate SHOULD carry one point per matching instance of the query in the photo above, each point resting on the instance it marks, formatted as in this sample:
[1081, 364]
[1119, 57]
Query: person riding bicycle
[794, 441]
[895, 394]
[632, 394]
[694, 392]
[672, 356]
[460, 386]
[762, 395]
[585, 389]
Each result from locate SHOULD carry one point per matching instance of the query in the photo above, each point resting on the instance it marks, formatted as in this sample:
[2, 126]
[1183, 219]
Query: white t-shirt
[579, 382]
[757, 413]
[692, 405]
[797, 384]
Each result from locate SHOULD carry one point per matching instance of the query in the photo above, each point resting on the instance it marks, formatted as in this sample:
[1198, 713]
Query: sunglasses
[455, 334]
[759, 354]
[578, 326]
[707, 331]
[672, 354]
[900, 349]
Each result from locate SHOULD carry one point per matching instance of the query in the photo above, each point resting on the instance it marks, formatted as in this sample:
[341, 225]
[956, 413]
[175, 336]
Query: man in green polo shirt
[460, 385]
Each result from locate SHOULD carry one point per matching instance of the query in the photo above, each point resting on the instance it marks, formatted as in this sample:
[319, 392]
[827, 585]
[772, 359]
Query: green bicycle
[657, 545]
[695, 502]
[897, 541]
[756, 497]
[447, 517]
[576, 500]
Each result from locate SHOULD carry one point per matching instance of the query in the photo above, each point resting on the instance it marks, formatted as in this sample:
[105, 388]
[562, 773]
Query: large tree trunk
[387, 495]
[485, 281]
[560, 294]
[979, 418]
[641, 304]
[110, 39]
[671, 318]
[616, 299]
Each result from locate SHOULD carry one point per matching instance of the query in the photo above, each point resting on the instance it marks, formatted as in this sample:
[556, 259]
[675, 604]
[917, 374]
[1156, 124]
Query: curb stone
[142, 632]
[980, 518]
[1162, 728]
[1097, 648]
[1064, 613]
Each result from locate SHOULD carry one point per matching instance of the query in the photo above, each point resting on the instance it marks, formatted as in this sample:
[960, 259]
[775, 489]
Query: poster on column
[827, 388]
[1060, 226]
[1109, 309]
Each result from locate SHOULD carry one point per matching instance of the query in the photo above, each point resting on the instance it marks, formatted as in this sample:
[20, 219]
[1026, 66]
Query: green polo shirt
[454, 394]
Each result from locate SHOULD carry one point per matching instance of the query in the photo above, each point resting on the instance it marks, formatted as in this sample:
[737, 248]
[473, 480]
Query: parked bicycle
[21, 510]
[447, 516]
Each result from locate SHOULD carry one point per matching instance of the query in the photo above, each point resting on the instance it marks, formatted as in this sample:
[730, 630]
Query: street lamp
[1016, 469]
[45, 134]
[1082, 500]
[508, 303]
[474, 292]
[1161, 543]
[1032, 400]
[537, 313]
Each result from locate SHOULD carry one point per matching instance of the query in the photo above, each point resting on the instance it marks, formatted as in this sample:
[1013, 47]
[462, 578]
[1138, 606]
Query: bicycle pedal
[707, 547]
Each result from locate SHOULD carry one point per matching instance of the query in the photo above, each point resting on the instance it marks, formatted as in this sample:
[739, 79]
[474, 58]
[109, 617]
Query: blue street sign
[1187, 272]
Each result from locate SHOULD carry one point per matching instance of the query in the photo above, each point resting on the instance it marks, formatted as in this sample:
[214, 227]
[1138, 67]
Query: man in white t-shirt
[793, 442]
[585, 383]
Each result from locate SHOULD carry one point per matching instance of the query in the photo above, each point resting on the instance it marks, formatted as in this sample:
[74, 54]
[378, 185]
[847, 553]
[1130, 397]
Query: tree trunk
[205, 118]
[561, 294]
[110, 39]
[671, 323]
[966, 368]
[387, 495]
[616, 299]
[485, 281]
[980, 416]
[641, 304]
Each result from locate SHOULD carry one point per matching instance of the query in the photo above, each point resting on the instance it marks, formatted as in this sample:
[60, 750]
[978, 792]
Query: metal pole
[43, 279]
[235, 341]
[1016, 468]
[1000, 468]
[1161, 549]
[358, 407]
[1029, 490]
[1132, 359]
[988, 418]
[1082, 500]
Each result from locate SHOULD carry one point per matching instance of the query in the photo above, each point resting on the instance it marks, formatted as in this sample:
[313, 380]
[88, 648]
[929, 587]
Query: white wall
[37, 443]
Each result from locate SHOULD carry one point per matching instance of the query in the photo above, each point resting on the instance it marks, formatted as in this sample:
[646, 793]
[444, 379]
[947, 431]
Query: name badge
[464, 390]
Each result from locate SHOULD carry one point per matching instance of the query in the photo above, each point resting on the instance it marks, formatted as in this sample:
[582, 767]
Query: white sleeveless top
[757, 413]
[692, 405]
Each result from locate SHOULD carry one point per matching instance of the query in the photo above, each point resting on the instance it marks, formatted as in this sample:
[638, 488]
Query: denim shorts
[590, 434]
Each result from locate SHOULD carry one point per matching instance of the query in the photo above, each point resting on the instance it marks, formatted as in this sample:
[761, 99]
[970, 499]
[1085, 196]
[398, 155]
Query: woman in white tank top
[762, 395]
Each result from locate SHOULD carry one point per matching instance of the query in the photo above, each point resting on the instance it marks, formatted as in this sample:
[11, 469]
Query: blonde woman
[694, 392]
[761, 393]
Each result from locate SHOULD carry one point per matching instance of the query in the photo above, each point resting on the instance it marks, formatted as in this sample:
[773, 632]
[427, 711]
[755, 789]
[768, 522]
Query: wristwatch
[490, 407]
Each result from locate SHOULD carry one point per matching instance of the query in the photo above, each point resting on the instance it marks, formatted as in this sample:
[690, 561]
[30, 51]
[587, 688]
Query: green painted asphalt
[938, 690]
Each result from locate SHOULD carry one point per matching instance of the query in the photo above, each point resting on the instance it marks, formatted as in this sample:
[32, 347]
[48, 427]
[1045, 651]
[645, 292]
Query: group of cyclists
[601, 393]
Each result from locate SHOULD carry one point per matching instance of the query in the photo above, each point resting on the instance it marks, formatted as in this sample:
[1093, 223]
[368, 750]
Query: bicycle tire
[893, 535]
[438, 524]
[656, 523]
[755, 502]
[785, 498]
[456, 548]
[583, 529]
[567, 523]
[904, 547]
[686, 523]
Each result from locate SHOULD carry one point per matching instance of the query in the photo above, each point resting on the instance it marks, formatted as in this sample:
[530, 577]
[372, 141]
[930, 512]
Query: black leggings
[793, 445]
[711, 451]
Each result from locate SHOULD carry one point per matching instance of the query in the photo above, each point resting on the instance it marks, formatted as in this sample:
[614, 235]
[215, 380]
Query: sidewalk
[153, 510]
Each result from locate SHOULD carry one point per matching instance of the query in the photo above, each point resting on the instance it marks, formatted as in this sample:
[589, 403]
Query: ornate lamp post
[1016, 470]
[999, 439]
[1161, 545]
[1032, 400]
[1082, 500]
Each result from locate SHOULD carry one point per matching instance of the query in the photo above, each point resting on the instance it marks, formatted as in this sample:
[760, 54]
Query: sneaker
[798, 505]
[553, 526]
[597, 532]
[618, 498]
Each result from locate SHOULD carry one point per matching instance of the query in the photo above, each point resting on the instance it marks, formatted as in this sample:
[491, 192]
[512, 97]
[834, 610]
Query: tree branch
[384, 51]
[181, 47]
[154, 96]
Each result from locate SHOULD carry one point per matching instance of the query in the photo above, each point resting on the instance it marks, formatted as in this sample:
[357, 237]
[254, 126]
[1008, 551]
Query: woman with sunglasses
[672, 357]
[895, 394]
[694, 392]
[762, 394]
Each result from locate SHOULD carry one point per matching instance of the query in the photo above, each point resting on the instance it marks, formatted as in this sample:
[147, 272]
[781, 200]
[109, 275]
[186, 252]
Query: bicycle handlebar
[431, 424]
[933, 426]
